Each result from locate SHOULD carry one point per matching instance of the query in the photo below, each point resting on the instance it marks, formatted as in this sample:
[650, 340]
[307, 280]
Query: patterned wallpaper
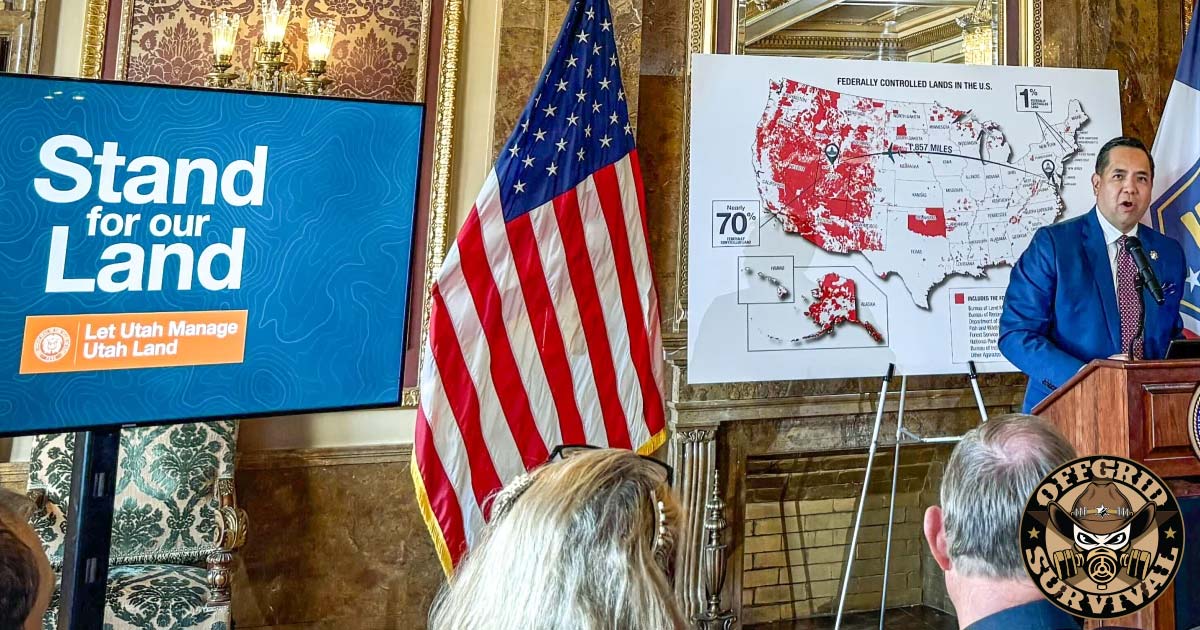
[376, 51]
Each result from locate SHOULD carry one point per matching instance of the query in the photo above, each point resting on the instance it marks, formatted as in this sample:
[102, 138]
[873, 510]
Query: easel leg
[887, 554]
[862, 499]
[974, 377]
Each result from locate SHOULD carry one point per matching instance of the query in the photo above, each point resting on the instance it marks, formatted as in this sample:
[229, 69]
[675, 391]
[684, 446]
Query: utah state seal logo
[51, 344]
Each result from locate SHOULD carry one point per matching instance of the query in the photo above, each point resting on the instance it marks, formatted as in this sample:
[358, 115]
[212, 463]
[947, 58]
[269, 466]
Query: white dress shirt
[1111, 234]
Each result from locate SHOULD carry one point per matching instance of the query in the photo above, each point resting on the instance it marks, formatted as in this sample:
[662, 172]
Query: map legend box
[975, 324]
[1034, 98]
[735, 223]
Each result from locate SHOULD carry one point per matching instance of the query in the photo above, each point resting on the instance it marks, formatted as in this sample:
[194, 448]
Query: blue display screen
[173, 253]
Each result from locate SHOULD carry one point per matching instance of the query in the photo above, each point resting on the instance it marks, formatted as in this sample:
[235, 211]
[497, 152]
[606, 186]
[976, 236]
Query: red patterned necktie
[1129, 299]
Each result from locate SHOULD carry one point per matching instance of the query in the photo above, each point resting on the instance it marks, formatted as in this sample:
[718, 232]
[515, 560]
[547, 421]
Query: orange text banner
[118, 341]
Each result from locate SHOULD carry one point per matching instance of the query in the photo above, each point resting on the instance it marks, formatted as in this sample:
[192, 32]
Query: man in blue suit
[1075, 295]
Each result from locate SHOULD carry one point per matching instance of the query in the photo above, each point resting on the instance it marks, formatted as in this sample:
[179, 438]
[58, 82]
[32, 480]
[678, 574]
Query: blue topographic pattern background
[326, 264]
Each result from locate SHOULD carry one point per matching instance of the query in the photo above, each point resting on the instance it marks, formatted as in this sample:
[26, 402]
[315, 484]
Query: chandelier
[273, 60]
[979, 28]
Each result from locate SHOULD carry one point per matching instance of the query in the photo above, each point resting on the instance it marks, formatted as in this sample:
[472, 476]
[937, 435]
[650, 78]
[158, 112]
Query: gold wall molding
[91, 56]
[1037, 32]
[701, 27]
[1189, 7]
[443, 154]
[838, 406]
[124, 40]
[423, 40]
[783, 41]
[701, 24]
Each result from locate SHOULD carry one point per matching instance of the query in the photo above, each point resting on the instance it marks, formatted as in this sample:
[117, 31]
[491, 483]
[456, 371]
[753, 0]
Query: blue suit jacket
[1060, 311]
[1038, 615]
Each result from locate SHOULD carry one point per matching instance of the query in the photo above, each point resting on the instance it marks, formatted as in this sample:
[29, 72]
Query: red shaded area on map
[835, 302]
[932, 225]
[826, 201]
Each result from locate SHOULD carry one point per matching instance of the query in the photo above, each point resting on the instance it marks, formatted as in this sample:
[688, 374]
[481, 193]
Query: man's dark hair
[1121, 141]
[19, 580]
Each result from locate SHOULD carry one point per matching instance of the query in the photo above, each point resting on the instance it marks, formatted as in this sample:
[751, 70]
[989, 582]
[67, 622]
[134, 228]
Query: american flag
[544, 324]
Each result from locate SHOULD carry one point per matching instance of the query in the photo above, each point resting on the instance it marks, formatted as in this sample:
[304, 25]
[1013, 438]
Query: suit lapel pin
[1153, 255]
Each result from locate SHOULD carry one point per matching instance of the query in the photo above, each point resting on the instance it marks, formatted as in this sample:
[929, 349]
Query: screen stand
[89, 529]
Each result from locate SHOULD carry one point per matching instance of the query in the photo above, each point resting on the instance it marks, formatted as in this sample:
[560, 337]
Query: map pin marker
[1048, 168]
[831, 152]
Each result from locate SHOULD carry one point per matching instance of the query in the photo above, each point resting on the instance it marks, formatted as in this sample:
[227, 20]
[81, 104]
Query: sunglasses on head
[565, 451]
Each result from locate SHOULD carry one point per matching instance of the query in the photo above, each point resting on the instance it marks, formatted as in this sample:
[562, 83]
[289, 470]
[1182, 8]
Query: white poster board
[849, 214]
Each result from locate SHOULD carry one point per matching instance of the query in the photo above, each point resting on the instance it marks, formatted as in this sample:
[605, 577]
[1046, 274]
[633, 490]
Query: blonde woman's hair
[572, 547]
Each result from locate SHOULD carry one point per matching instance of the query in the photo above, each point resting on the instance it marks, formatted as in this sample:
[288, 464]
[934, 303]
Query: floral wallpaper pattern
[376, 51]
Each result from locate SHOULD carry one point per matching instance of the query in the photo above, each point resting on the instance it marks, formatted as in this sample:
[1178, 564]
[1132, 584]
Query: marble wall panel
[1141, 39]
[661, 135]
[335, 540]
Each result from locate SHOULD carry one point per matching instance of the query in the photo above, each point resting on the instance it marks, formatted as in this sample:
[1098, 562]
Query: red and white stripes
[543, 331]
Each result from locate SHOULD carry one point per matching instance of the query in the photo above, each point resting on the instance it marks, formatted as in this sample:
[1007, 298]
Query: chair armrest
[231, 519]
[231, 536]
[38, 496]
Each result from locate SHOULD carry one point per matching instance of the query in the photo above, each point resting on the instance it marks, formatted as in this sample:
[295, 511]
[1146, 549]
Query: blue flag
[1176, 207]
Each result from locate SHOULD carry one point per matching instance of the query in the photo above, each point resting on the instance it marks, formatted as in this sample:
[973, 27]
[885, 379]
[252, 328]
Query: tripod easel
[903, 436]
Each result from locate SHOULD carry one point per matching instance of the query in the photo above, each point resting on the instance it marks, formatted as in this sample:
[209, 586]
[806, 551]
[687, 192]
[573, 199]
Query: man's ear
[1095, 183]
[935, 534]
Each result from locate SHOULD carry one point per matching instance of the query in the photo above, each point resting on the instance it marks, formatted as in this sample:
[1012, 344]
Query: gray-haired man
[973, 534]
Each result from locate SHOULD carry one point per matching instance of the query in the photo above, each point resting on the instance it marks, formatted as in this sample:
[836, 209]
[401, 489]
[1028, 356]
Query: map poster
[845, 215]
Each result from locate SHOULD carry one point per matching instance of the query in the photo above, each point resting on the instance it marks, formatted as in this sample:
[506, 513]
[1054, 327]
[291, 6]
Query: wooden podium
[1137, 410]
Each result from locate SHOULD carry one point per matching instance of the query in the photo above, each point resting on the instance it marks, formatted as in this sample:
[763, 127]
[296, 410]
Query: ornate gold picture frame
[165, 42]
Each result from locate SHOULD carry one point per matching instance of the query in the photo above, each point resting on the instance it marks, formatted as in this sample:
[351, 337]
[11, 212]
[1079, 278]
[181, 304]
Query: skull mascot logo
[1103, 527]
[1102, 537]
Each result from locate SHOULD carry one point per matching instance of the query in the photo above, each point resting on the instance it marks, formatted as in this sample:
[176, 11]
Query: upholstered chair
[175, 525]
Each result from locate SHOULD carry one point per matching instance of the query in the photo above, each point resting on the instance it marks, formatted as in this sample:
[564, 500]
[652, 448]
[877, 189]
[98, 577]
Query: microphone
[1134, 245]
